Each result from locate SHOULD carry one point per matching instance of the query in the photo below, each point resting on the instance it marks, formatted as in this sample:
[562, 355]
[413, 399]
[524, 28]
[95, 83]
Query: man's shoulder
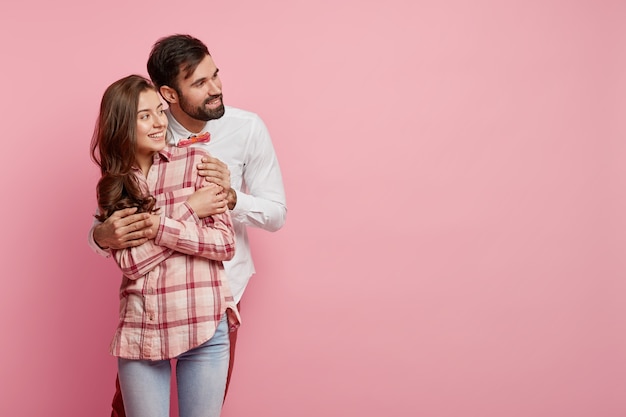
[235, 113]
[236, 124]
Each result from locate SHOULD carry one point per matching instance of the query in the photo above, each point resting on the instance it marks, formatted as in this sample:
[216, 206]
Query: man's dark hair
[172, 55]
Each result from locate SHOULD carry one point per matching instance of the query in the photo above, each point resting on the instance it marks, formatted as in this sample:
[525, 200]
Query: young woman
[175, 302]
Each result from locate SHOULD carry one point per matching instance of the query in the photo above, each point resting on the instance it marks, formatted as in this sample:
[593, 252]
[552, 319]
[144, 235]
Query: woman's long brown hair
[113, 148]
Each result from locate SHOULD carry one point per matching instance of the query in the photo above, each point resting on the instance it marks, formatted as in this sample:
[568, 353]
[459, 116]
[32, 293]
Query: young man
[243, 160]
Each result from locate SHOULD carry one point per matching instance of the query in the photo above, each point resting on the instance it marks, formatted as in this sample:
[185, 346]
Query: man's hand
[215, 171]
[208, 200]
[124, 229]
[231, 198]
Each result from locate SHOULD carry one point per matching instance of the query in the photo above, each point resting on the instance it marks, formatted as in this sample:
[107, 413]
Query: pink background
[455, 177]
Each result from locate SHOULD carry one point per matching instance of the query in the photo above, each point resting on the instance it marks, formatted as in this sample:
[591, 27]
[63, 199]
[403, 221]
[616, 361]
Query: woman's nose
[161, 120]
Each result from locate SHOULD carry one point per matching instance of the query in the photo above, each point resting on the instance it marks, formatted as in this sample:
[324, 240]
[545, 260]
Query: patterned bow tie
[199, 138]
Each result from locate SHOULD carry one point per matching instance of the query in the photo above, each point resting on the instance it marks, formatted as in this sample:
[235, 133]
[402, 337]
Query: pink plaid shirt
[174, 291]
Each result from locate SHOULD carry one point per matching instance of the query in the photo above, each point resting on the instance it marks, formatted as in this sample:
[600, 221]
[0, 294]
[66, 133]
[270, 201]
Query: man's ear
[169, 94]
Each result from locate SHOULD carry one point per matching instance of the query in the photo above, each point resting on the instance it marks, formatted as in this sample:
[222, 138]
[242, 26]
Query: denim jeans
[200, 377]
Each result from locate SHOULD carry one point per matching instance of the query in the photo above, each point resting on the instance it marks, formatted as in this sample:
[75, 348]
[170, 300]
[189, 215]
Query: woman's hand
[208, 200]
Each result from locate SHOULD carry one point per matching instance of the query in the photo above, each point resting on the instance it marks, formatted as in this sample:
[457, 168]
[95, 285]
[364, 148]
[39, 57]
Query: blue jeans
[200, 377]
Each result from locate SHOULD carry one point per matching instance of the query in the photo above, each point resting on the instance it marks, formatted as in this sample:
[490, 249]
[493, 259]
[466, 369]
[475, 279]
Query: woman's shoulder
[185, 152]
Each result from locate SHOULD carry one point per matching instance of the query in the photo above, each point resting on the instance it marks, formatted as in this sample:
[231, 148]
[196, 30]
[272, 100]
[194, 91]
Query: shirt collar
[164, 155]
[176, 131]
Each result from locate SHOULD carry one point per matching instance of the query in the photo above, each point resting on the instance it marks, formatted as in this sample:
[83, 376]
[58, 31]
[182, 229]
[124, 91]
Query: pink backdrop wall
[455, 177]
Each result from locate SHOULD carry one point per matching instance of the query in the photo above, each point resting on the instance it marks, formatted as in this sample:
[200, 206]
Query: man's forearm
[95, 246]
[97, 237]
[259, 212]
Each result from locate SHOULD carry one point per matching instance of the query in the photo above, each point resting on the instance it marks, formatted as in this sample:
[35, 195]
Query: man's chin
[209, 114]
[217, 112]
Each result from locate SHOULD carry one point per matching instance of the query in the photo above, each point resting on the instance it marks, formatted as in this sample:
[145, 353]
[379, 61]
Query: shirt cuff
[169, 229]
[245, 203]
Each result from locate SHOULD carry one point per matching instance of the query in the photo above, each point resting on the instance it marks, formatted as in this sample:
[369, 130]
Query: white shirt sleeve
[262, 201]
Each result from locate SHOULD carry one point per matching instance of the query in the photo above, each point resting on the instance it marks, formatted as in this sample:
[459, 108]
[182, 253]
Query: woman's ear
[168, 94]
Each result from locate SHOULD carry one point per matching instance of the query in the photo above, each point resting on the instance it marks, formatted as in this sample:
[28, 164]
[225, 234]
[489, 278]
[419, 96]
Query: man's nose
[214, 88]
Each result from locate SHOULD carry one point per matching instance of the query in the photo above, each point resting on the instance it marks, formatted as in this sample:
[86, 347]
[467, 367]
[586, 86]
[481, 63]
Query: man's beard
[202, 112]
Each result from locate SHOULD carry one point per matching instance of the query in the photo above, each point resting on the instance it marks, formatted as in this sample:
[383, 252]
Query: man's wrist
[95, 239]
[231, 198]
[100, 246]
